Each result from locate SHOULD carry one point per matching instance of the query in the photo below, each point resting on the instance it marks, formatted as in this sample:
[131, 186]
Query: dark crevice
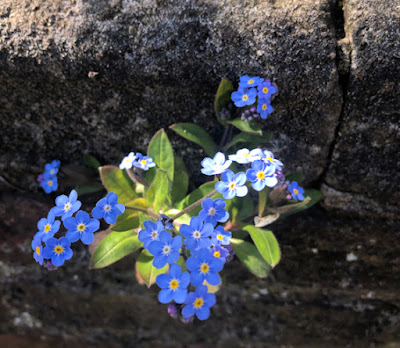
[343, 62]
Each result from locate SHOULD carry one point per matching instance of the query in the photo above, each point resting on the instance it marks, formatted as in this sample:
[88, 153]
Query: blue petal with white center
[261, 175]
[216, 165]
[232, 185]
[108, 208]
[165, 250]
[213, 211]
[66, 206]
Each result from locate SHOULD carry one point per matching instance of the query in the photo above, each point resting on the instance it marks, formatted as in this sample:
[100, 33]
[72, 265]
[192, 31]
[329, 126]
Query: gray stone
[365, 158]
[102, 76]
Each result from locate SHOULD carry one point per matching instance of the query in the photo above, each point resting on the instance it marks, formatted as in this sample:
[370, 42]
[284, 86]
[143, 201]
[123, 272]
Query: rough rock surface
[336, 286]
[103, 76]
[365, 158]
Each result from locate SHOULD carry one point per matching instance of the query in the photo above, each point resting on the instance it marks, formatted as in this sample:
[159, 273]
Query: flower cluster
[252, 89]
[79, 227]
[48, 179]
[263, 170]
[204, 247]
[138, 161]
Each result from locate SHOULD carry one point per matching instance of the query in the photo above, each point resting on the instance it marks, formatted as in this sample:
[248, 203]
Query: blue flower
[244, 96]
[268, 158]
[220, 236]
[81, 227]
[108, 208]
[232, 185]
[296, 191]
[56, 163]
[47, 227]
[127, 162]
[143, 162]
[199, 303]
[49, 184]
[51, 169]
[66, 206]
[261, 175]
[204, 266]
[165, 250]
[247, 81]
[37, 248]
[151, 232]
[264, 108]
[265, 90]
[213, 211]
[167, 222]
[220, 253]
[174, 285]
[58, 250]
[196, 235]
[244, 156]
[216, 165]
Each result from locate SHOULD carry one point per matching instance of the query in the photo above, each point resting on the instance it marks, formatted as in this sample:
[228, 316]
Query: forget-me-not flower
[216, 165]
[66, 206]
[232, 185]
[108, 208]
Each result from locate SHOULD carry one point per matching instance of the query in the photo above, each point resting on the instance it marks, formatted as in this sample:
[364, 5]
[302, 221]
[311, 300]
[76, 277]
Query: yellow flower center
[58, 249]
[246, 155]
[198, 303]
[52, 171]
[232, 185]
[265, 90]
[173, 284]
[250, 81]
[47, 228]
[154, 234]
[261, 175]
[67, 206]
[204, 268]
[264, 107]
[296, 191]
[38, 250]
[217, 254]
[270, 159]
[212, 211]
[50, 183]
[220, 237]
[245, 97]
[81, 227]
[143, 162]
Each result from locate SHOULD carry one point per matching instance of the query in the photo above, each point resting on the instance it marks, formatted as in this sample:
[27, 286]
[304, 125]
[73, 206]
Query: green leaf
[92, 162]
[251, 258]
[160, 150]
[313, 195]
[222, 98]
[146, 273]
[253, 139]
[129, 220]
[239, 208]
[248, 127]
[144, 217]
[181, 181]
[114, 247]
[158, 190]
[266, 244]
[298, 177]
[117, 181]
[194, 196]
[86, 189]
[198, 135]
[262, 200]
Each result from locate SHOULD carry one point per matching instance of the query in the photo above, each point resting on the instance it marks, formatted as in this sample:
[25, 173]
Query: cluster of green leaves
[165, 188]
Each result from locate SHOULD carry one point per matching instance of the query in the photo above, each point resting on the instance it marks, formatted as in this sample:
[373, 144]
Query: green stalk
[262, 201]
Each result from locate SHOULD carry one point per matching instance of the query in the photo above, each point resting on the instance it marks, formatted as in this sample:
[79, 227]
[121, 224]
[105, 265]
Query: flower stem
[194, 205]
[146, 211]
[136, 179]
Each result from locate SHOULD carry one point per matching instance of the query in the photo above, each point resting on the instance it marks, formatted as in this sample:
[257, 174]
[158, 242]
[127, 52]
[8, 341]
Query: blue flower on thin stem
[264, 108]
[58, 250]
[108, 208]
[66, 206]
[248, 81]
[81, 227]
[261, 175]
[199, 303]
[151, 232]
[216, 165]
[268, 158]
[204, 266]
[197, 234]
[213, 211]
[143, 162]
[47, 227]
[232, 185]
[220, 236]
[296, 191]
[244, 96]
[265, 90]
[51, 169]
[165, 250]
[49, 184]
[37, 248]
[174, 285]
